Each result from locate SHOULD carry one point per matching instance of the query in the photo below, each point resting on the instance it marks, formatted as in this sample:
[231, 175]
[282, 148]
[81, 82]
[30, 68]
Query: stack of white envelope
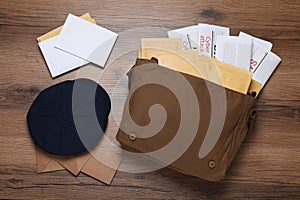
[79, 43]
[243, 51]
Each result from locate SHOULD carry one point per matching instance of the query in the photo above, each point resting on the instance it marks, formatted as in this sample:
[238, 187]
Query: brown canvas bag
[212, 149]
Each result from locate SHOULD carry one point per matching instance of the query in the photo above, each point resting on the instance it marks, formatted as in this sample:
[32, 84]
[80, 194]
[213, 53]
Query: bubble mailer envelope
[193, 125]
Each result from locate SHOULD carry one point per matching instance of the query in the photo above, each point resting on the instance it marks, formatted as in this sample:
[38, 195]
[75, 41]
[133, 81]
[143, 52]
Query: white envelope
[58, 61]
[260, 49]
[188, 35]
[257, 41]
[234, 51]
[266, 68]
[86, 40]
[207, 38]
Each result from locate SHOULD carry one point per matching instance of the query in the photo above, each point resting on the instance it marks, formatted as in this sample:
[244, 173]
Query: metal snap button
[212, 164]
[132, 136]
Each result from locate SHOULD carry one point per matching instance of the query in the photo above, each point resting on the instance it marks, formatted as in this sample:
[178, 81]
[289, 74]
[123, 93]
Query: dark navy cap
[70, 117]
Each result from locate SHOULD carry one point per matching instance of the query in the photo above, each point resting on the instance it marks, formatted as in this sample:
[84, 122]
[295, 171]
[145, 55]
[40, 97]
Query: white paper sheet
[207, 38]
[58, 61]
[86, 40]
[257, 41]
[260, 49]
[266, 68]
[188, 35]
[234, 51]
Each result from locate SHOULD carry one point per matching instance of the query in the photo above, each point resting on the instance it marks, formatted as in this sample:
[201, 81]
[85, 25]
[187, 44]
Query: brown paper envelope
[48, 163]
[45, 163]
[100, 171]
[87, 163]
[53, 166]
[73, 163]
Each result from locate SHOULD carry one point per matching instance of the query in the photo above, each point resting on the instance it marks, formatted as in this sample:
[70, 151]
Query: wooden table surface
[268, 163]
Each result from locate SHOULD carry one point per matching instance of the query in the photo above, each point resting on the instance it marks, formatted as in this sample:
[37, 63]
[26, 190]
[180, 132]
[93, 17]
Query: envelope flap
[100, 54]
[98, 170]
[75, 163]
[45, 162]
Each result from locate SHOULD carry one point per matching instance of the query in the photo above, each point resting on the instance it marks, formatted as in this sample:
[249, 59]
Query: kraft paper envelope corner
[73, 164]
[45, 163]
[100, 171]
[86, 163]
[49, 163]
[86, 40]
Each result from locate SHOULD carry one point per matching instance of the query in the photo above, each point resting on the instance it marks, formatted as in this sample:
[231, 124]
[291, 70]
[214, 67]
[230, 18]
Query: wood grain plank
[268, 163]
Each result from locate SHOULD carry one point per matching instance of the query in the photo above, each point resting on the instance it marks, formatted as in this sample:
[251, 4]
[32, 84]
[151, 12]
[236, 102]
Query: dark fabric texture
[240, 117]
[70, 117]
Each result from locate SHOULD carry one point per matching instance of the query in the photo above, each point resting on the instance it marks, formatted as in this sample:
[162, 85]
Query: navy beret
[70, 117]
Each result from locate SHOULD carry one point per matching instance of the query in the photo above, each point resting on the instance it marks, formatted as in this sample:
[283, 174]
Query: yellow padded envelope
[189, 62]
[172, 45]
[255, 87]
